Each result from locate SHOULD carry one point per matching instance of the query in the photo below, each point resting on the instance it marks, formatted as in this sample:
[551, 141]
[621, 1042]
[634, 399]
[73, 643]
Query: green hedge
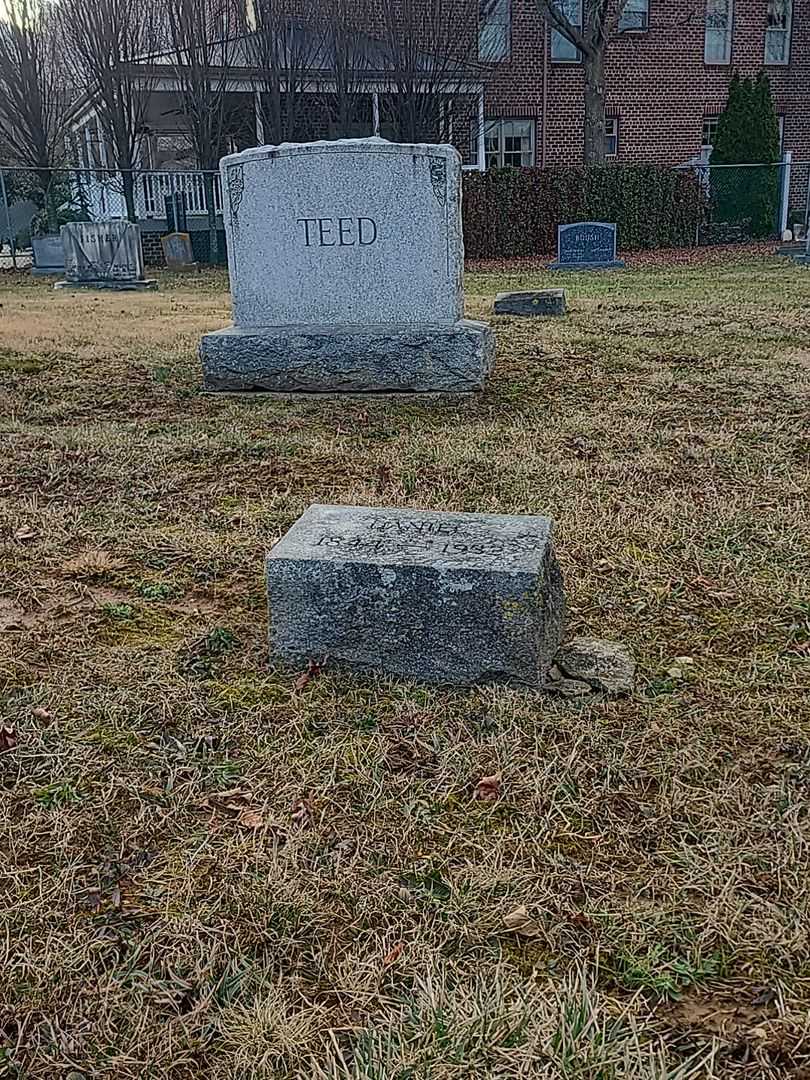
[510, 212]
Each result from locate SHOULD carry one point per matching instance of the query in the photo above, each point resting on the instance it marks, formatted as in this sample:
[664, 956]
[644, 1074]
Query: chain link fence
[740, 203]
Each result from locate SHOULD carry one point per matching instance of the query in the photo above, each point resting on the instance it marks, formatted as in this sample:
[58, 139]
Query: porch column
[482, 150]
[257, 109]
[375, 113]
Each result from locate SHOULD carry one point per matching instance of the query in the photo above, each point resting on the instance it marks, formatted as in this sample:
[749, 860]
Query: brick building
[667, 76]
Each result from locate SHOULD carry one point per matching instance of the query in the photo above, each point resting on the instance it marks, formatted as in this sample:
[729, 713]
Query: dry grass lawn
[208, 872]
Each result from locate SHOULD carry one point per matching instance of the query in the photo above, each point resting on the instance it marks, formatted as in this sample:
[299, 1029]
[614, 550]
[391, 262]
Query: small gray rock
[545, 302]
[607, 667]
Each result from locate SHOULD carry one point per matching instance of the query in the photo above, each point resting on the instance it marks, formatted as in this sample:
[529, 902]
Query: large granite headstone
[438, 597]
[103, 255]
[346, 262]
[587, 245]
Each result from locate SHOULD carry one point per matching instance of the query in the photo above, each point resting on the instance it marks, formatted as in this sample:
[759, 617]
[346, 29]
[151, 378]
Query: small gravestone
[103, 255]
[587, 245]
[346, 262]
[544, 302]
[177, 251]
[49, 256]
[438, 597]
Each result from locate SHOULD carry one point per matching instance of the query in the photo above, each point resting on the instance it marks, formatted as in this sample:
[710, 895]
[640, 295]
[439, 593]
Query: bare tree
[107, 45]
[431, 49]
[203, 45]
[599, 25]
[288, 43]
[350, 56]
[33, 100]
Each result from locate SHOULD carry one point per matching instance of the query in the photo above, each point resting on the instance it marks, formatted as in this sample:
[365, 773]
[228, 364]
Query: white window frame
[561, 47]
[498, 123]
[707, 117]
[712, 33]
[613, 121]
[494, 30]
[628, 23]
[780, 34]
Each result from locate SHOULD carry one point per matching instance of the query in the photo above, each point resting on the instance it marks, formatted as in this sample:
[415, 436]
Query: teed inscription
[338, 232]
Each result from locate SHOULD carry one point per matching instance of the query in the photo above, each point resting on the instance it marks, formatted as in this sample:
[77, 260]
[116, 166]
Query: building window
[709, 133]
[635, 15]
[717, 43]
[494, 26]
[777, 35]
[611, 136]
[509, 143]
[561, 47]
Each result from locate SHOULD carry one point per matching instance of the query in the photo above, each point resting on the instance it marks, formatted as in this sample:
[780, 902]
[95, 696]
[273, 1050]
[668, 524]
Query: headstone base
[545, 302]
[349, 359]
[117, 286]
[615, 264]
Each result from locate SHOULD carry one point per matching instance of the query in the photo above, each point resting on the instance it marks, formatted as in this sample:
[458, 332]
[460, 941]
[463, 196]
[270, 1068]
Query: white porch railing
[103, 193]
[153, 187]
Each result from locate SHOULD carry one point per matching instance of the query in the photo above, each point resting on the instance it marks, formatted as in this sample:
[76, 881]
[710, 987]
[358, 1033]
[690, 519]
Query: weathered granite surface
[346, 261]
[103, 254]
[351, 231]
[438, 597]
[544, 302]
[397, 359]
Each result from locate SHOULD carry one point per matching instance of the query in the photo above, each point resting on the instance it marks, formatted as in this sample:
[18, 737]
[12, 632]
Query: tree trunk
[594, 67]
[46, 181]
[128, 181]
[211, 209]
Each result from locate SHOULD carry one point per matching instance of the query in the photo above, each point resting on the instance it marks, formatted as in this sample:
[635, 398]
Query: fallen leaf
[394, 955]
[302, 813]
[250, 819]
[41, 714]
[8, 739]
[488, 788]
[115, 897]
[521, 922]
[25, 532]
[312, 672]
[578, 919]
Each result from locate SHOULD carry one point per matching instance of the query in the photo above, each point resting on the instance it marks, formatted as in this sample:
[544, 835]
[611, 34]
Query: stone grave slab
[341, 250]
[49, 256]
[447, 598]
[103, 255]
[178, 252]
[587, 245]
[544, 302]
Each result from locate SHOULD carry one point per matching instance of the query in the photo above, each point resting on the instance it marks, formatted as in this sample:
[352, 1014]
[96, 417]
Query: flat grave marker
[438, 597]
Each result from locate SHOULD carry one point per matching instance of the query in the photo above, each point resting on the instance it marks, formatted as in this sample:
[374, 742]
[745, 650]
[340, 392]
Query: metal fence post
[11, 239]
[787, 158]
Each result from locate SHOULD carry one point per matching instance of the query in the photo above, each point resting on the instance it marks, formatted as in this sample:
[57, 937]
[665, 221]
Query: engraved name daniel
[442, 538]
[337, 232]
